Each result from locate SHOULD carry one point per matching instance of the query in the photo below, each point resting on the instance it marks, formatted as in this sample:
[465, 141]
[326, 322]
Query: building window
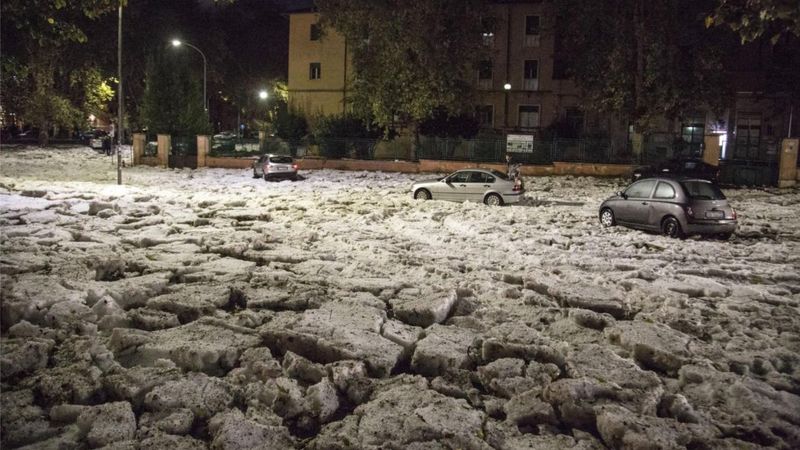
[748, 136]
[532, 31]
[573, 117]
[315, 32]
[485, 115]
[489, 26]
[314, 71]
[692, 133]
[485, 74]
[531, 75]
[529, 116]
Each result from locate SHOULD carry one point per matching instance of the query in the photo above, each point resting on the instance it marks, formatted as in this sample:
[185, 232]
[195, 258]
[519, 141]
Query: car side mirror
[621, 194]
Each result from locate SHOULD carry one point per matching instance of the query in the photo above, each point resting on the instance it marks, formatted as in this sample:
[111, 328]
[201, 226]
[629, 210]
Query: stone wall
[423, 166]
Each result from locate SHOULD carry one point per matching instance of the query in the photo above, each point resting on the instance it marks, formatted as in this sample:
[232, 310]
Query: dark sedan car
[675, 207]
[678, 167]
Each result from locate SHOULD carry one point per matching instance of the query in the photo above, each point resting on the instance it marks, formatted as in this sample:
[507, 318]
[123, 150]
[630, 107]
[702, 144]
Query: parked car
[674, 206]
[678, 167]
[479, 185]
[225, 135]
[96, 138]
[271, 166]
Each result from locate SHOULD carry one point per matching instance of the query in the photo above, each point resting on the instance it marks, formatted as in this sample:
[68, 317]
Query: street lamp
[506, 87]
[178, 43]
[263, 95]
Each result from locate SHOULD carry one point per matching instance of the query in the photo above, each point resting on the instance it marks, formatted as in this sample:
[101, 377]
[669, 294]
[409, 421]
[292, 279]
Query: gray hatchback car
[275, 167]
[675, 207]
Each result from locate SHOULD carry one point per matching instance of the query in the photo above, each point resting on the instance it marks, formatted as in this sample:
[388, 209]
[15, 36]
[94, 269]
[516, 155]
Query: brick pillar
[164, 145]
[203, 143]
[787, 173]
[139, 141]
[712, 149]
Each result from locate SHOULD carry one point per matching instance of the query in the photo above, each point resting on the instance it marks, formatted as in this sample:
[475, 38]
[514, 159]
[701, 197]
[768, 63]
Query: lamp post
[506, 88]
[262, 135]
[178, 43]
[121, 111]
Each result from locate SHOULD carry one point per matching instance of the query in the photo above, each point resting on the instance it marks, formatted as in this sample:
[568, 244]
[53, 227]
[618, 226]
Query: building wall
[316, 96]
[509, 53]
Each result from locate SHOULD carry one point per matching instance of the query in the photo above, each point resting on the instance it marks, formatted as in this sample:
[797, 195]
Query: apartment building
[521, 88]
[319, 67]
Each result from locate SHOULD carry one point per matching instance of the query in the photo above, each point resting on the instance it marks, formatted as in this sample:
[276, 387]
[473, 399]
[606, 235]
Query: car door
[455, 188]
[634, 207]
[477, 185]
[662, 204]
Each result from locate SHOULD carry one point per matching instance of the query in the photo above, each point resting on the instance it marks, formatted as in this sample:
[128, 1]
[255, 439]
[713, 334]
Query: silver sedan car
[675, 207]
[478, 185]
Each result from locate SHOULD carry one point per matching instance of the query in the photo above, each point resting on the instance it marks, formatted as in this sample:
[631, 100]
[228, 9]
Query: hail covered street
[208, 309]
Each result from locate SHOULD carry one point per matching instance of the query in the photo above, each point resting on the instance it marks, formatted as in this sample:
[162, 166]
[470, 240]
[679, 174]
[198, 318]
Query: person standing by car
[512, 169]
[109, 140]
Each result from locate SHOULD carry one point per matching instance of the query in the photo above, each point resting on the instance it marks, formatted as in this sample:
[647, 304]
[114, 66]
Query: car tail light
[733, 213]
[517, 185]
[268, 168]
[294, 166]
[689, 211]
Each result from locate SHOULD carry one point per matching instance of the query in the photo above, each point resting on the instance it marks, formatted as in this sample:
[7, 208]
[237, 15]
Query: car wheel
[671, 227]
[294, 178]
[266, 178]
[607, 217]
[493, 200]
[724, 236]
[422, 194]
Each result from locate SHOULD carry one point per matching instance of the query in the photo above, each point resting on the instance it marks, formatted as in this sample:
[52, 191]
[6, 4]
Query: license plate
[715, 215]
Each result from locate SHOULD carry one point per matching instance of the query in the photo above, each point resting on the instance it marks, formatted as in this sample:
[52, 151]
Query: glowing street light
[178, 43]
[263, 95]
[506, 87]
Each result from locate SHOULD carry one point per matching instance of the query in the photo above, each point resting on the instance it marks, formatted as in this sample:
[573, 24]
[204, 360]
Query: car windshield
[700, 190]
[499, 174]
[280, 159]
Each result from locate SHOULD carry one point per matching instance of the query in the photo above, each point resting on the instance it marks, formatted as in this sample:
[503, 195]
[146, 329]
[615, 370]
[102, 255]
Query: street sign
[519, 143]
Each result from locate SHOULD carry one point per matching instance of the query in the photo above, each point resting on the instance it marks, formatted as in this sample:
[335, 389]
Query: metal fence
[539, 152]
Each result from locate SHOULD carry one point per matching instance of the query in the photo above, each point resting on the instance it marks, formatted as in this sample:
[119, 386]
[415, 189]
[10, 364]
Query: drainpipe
[344, 82]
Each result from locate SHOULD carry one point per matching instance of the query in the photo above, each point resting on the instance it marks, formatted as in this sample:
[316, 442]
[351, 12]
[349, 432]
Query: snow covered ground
[196, 309]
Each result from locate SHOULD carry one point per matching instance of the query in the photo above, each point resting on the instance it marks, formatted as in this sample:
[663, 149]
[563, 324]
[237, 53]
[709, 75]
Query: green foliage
[754, 19]
[342, 136]
[96, 89]
[53, 82]
[173, 98]
[409, 57]
[288, 124]
[442, 124]
[644, 60]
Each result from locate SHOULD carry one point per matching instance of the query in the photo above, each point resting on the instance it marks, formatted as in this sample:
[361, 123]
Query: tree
[43, 58]
[410, 58]
[172, 102]
[754, 19]
[644, 60]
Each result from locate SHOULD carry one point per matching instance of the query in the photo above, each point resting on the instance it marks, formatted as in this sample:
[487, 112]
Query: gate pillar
[202, 150]
[139, 140]
[787, 172]
[712, 149]
[164, 145]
